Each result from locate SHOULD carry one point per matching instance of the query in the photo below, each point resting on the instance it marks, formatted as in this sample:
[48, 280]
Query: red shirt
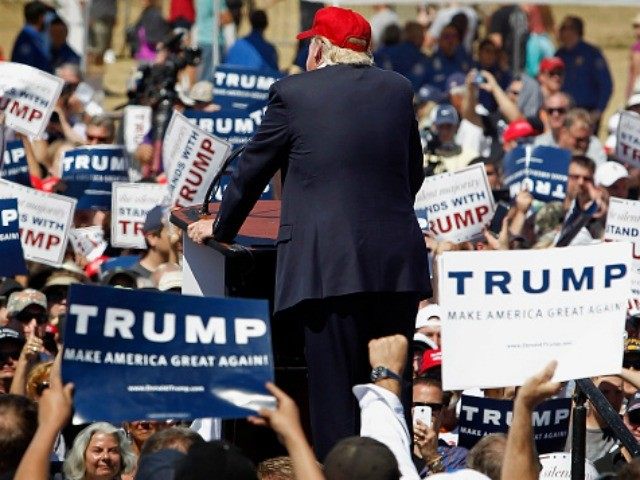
[182, 8]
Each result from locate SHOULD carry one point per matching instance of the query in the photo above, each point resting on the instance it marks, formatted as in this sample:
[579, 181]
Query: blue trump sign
[484, 416]
[541, 170]
[10, 246]
[88, 173]
[165, 356]
[239, 87]
[234, 125]
[14, 165]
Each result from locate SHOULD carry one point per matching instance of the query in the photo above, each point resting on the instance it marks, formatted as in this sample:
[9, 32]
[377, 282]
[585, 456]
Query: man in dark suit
[352, 263]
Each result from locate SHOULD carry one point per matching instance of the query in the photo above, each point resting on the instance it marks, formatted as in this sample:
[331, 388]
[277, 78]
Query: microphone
[216, 180]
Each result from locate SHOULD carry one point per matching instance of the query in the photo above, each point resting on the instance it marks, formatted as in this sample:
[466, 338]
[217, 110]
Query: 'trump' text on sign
[166, 356]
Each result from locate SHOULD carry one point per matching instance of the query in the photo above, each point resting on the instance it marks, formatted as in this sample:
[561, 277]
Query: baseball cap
[636, 20]
[154, 220]
[429, 93]
[455, 82]
[634, 403]
[633, 100]
[342, 27]
[445, 114]
[361, 457]
[60, 278]
[9, 286]
[9, 334]
[551, 63]
[521, 128]
[430, 359]
[608, 173]
[18, 301]
[425, 316]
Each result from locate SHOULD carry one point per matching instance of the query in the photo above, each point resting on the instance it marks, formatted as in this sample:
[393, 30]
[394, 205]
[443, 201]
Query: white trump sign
[27, 97]
[508, 313]
[192, 159]
[45, 219]
[455, 206]
[623, 225]
[130, 203]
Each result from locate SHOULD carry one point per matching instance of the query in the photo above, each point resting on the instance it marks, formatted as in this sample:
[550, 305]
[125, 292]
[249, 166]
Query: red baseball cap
[430, 359]
[520, 128]
[550, 64]
[342, 27]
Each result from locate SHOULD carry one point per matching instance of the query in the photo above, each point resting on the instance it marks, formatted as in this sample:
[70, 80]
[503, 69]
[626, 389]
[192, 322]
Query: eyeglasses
[26, 317]
[41, 387]
[6, 356]
[435, 407]
[558, 110]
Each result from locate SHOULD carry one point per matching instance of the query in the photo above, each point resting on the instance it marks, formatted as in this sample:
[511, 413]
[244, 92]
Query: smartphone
[422, 413]
[496, 223]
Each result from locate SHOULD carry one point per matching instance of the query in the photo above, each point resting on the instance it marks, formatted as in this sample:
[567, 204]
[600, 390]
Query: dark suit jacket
[348, 143]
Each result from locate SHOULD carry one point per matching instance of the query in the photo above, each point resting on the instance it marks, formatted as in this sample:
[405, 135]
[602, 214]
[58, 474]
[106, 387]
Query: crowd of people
[482, 88]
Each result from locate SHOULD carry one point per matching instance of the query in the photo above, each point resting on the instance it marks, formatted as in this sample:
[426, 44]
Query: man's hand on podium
[200, 231]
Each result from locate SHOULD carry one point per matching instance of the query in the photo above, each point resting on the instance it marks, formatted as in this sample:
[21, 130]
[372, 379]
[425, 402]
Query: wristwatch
[380, 372]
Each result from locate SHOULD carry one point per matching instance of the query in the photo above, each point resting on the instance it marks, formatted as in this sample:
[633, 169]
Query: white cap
[169, 280]
[425, 317]
[608, 173]
[633, 100]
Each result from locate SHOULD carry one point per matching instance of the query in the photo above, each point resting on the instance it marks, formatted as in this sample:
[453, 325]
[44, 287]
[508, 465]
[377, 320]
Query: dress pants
[337, 334]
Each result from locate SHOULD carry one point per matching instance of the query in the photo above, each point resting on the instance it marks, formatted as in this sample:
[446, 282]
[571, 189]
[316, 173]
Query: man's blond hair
[334, 55]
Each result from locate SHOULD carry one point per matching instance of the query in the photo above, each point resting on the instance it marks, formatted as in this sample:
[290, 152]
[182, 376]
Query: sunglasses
[144, 424]
[6, 356]
[559, 110]
[26, 317]
[435, 407]
[41, 387]
[56, 295]
[556, 73]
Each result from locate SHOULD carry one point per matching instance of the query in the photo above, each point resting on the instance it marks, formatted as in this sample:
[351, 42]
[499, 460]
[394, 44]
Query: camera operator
[155, 85]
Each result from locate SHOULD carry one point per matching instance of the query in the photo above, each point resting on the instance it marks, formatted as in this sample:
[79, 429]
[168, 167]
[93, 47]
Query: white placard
[628, 138]
[558, 465]
[45, 219]
[137, 123]
[506, 314]
[456, 206]
[27, 97]
[192, 159]
[623, 224]
[88, 241]
[130, 203]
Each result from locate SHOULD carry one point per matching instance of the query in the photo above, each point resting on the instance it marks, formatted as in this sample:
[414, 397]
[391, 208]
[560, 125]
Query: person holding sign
[352, 261]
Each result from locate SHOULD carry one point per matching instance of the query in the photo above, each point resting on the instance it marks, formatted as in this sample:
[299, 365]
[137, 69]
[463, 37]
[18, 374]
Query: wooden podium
[246, 268]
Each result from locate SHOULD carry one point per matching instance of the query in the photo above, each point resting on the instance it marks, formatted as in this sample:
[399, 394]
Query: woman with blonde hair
[100, 452]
